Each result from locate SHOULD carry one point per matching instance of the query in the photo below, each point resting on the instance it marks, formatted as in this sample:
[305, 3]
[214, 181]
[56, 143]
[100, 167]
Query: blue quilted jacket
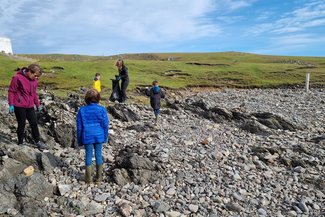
[92, 124]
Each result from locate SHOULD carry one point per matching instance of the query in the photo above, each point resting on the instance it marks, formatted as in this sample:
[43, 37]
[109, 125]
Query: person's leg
[98, 153]
[124, 85]
[88, 161]
[32, 119]
[157, 113]
[20, 114]
[99, 162]
[89, 154]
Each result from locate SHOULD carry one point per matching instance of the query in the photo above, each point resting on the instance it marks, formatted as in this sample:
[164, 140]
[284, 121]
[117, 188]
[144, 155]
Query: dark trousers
[124, 86]
[21, 115]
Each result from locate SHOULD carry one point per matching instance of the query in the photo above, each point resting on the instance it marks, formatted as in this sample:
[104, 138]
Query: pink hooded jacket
[23, 91]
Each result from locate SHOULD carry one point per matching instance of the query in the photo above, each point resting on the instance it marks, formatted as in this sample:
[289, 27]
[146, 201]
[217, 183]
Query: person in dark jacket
[155, 94]
[124, 76]
[22, 97]
[92, 131]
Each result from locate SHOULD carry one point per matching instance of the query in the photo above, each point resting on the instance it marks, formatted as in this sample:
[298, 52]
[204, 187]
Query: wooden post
[307, 81]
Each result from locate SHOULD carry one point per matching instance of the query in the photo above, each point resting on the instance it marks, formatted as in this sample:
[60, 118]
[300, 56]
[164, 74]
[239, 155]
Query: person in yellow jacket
[96, 82]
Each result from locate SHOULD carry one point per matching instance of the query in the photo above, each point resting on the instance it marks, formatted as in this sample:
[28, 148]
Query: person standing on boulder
[22, 98]
[124, 76]
[155, 94]
[92, 131]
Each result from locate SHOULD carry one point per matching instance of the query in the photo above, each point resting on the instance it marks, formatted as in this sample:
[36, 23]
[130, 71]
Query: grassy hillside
[224, 69]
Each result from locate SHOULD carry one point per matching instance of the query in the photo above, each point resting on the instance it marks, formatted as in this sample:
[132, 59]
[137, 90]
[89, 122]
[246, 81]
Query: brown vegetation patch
[175, 73]
[57, 68]
[279, 72]
[307, 67]
[207, 64]
[235, 73]
[173, 70]
[293, 61]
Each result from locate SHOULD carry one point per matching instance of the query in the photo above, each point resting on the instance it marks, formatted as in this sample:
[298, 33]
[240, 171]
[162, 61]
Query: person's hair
[38, 73]
[155, 82]
[119, 61]
[92, 96]
[97, 74]
[34, 68]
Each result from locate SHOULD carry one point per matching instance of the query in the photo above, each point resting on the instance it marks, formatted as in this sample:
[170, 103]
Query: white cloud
[292, 43]
[298, 40]
[231, 5]
[309, 15]
[8, 13]
[136, 20]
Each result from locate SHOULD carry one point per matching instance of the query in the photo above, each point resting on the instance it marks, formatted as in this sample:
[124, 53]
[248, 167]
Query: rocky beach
[257, 152]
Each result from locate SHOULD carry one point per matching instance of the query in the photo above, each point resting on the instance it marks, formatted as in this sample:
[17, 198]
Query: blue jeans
[157, 112]
[98, 154]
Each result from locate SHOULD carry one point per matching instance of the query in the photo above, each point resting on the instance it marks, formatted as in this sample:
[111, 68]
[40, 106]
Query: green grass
[226, 69]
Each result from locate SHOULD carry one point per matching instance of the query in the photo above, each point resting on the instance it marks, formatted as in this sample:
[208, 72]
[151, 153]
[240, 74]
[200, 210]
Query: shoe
[156, 119]
[99, 174]
[88, 174]
[22, 144]
[41, 145]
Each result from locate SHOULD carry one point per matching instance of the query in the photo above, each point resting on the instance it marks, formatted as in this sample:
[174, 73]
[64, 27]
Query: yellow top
[96, 85]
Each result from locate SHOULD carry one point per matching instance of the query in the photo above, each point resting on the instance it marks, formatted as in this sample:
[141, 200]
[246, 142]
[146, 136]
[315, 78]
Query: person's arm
[105, 124]
[36, 99]
[79, 128]
[148, 92]
[162, 94]
[12, 90]
[124, 72]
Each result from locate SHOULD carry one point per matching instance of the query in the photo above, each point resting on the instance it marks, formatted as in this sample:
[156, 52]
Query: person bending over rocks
[92, 132]
[22, 98]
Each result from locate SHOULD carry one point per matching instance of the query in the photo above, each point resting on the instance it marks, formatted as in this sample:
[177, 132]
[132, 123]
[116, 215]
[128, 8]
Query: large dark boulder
[35, 187]
[274, 121]
[123, 113]
[8, 201]
[136, 168]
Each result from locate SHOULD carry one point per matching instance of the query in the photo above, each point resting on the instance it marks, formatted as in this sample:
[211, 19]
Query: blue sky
[107, 27]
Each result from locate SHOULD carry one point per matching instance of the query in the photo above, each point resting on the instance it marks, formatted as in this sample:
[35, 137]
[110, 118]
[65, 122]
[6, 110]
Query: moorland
[66, 73]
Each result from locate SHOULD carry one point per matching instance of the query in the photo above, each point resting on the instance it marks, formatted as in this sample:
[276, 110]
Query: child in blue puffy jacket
[92, 132]
[155, 94]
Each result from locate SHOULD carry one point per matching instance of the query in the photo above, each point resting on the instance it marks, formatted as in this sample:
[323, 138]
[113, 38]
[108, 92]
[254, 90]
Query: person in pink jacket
[22, 98]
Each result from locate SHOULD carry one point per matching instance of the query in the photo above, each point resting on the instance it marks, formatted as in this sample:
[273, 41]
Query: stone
[171, 191]
[8, 201]
[303, 207]
[235, 207]
[173, 214]
[193, 207]
[94, 208]
[125, 209]
[261, 212]
[160, 207]
[63, 189]
[29, 171]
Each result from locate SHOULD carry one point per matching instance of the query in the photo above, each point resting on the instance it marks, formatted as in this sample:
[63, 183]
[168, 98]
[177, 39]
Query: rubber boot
[88, 176]
[99, 173]
[156, 119]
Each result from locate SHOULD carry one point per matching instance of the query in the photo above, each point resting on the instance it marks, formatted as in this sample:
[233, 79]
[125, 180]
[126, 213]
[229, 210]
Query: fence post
[307, 81]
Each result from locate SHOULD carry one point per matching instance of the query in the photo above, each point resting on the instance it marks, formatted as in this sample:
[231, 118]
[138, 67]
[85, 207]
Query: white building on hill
[5, 45]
